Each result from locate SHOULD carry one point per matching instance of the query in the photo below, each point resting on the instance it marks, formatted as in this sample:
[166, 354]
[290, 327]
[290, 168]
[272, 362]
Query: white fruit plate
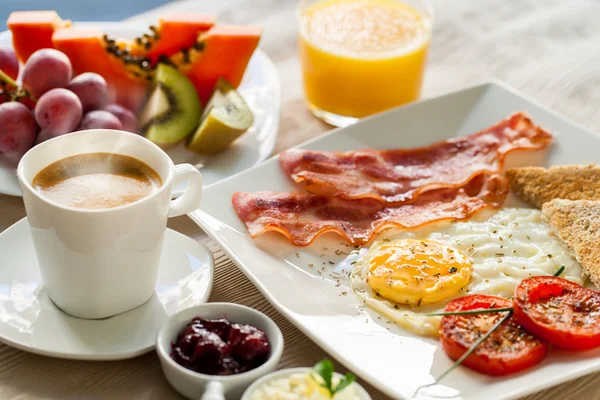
[260, 88]
[394, 360]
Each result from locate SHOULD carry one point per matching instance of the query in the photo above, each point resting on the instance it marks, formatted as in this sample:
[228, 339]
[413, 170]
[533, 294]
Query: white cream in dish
[299, 386]
[502, 250]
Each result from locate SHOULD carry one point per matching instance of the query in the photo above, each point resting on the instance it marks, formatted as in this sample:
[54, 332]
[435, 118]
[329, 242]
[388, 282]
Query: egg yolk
[418, 272]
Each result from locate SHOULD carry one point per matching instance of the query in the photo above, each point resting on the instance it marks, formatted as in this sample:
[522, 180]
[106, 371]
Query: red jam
[219, 347]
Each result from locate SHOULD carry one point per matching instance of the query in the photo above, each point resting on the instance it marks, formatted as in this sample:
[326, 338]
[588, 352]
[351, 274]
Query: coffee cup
[99, 262]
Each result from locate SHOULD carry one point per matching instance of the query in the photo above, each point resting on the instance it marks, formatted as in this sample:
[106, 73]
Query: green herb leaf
[344, 383]
[560, 270]
[325, 370]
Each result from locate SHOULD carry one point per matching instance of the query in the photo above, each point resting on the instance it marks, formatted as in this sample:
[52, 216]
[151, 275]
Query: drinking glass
[352, 73]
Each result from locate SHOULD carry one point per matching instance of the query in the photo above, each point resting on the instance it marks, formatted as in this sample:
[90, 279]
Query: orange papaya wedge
[174, 32]
[222, 52]
[90, 51]
[33, 30]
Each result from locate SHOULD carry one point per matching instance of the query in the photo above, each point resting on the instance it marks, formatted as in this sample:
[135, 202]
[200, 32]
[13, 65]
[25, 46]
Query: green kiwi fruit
[226, 117]
[172, 110]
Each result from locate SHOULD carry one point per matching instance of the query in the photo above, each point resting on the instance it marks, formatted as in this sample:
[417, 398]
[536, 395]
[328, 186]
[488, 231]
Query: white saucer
[30, 321]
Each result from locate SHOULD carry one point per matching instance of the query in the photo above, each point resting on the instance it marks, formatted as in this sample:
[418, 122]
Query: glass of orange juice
[360, 57]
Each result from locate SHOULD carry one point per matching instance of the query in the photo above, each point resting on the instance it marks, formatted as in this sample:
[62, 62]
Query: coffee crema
[97, 180]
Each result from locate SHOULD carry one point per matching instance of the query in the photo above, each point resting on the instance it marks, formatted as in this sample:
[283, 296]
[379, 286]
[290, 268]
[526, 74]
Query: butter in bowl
[318, 383]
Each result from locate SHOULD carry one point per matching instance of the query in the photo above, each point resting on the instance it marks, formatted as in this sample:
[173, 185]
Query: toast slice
[537, 185]
[577, 225]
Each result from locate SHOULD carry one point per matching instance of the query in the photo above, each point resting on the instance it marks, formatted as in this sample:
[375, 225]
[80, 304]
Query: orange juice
[360, 57]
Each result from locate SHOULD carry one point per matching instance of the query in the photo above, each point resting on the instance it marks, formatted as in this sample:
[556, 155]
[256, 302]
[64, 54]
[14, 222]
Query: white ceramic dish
[391, 359]
[361, 392]
[192, 384]
[30, 321]
[260, 88]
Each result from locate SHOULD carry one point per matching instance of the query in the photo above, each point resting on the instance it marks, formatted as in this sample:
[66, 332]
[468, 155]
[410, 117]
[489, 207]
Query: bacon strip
[394, 176]
[303, 217]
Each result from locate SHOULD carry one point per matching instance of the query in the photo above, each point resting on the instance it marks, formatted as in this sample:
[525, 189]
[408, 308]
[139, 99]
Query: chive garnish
[474, 346]
[468, 352]
[560, 271]
[508, 310]
[484, 311]
[471, 312]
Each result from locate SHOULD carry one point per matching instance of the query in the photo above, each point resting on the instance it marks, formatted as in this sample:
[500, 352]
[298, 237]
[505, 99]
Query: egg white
[511, 245]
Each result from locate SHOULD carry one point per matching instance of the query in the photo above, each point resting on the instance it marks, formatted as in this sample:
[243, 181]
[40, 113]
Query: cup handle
[190, 199]
[213, 391]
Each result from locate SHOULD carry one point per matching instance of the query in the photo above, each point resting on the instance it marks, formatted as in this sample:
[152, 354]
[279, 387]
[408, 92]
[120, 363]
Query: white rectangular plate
[391, 359]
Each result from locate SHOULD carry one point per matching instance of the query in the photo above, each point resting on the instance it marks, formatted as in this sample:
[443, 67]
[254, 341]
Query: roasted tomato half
[509, 349]
[559, 311]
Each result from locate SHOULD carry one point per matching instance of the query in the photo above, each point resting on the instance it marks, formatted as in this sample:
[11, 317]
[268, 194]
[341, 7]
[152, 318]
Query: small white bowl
[193, 384]
[362, 393]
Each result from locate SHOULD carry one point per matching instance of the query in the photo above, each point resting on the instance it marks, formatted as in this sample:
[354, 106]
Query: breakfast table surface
[547, 49]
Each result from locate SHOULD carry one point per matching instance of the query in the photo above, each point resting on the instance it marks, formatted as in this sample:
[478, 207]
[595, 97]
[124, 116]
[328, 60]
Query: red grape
[46, 69]
[43, 136]
[91, 89]
[17, 131]
[127, 118]
[27, 102]
[8, 63]
[4, 95]
[58, 112]
[100, 119]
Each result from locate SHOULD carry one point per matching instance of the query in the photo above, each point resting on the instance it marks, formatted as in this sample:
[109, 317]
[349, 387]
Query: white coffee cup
[96, 263]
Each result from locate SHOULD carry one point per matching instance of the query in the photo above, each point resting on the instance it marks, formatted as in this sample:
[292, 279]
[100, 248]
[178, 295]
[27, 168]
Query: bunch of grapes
[51, 103]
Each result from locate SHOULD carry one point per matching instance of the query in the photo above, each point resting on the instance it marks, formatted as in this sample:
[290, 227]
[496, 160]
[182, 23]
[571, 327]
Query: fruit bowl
[260, 89]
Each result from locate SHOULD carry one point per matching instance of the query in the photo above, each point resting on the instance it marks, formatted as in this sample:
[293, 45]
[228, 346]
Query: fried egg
[417, 272]
[408, 274]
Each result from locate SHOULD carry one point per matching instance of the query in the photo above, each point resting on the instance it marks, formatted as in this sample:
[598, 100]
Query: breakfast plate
[309, 285]
[30, 321]
[260, 88]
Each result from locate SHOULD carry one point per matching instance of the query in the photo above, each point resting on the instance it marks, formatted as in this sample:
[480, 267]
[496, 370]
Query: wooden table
[548, 49]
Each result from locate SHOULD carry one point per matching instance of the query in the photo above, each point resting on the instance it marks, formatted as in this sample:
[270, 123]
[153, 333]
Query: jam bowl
[218, 349]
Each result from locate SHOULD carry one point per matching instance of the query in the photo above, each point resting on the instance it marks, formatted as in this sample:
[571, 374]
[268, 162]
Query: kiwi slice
[225, 118]
[172, 110]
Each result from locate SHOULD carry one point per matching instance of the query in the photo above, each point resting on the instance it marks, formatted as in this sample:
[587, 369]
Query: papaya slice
[175, 31]
[33, 30]
[202, 51]
[222, 52]
[90, 51]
